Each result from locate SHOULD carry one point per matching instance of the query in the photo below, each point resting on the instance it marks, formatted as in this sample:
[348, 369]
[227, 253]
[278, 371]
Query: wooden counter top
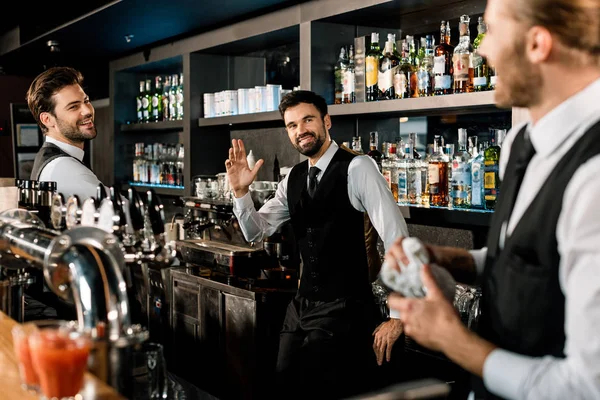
[10, 382]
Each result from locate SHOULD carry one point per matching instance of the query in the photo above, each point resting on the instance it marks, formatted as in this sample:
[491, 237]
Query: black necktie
[312, 180]
[522, 151]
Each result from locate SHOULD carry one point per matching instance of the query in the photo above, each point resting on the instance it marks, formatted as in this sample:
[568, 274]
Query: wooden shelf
[153, 126]
[449, 217]
[434, 105]
[269, 116]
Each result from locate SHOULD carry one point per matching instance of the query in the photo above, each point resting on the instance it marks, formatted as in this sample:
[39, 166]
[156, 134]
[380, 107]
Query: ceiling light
[128, 38]
[53, 45]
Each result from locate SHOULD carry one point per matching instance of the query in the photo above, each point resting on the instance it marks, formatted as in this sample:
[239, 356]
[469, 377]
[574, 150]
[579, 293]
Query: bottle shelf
[446, 216]
[269, 116]
[153, 126]
[424, 106]
[166, 190]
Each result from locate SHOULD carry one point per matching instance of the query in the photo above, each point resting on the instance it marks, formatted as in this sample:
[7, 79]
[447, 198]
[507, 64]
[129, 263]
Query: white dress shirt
[577, 376]
[367, 191]
[71, 176]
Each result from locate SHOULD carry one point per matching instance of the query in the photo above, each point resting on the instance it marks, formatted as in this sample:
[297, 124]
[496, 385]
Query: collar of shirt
[325, 159]
[552, 129]
[67, 148]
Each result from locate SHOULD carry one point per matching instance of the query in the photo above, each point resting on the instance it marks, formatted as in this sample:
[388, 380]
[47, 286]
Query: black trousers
[325, 349]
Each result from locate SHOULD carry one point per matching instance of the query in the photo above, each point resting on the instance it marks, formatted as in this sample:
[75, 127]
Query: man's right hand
[459, 262]
[239, 174]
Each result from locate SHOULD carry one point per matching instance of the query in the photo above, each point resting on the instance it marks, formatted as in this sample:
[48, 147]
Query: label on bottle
[154, 101]
[402, 183]
[439, 65]
[371, 71]
[385, 80]
[348, 82]
[443, 82]
[476, 185]
[433, 174]
[480, 81]
[424, 80]
[461, 179]
[413, 181]
[145, 102]
[400, 83]
[461, 63]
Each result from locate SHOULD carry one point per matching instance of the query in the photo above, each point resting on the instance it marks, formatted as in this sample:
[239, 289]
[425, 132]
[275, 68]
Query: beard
[74, 132]
[310, 149]
[518, 80]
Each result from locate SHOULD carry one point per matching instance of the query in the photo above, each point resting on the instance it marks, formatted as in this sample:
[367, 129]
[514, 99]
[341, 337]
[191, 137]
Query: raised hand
[239, 174]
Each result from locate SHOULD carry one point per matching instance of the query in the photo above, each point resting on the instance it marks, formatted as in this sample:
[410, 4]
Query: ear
[538, 44]
[47, 119]
[327, 120]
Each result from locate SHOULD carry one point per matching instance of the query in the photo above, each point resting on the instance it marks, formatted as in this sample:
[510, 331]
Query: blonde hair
[575, 23]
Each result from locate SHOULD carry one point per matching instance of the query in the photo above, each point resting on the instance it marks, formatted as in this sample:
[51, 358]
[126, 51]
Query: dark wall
[12, 90]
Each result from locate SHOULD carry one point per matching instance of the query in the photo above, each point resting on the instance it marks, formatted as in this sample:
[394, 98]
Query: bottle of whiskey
[480, 67]
[339, 71]
[387, 68]
[374, 152]
[461, 173]
[462, 59]
[442, 62]
[372, 68]
[165, 98]
[147, 102]
[438, 175]
[157, 100]
[402, 77]
[348, 95]
[425, 72]
[413, 59]
[139, 102]
[491, 158]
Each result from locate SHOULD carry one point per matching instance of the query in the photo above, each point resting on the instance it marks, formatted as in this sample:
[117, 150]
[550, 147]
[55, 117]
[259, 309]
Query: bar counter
[10, 382]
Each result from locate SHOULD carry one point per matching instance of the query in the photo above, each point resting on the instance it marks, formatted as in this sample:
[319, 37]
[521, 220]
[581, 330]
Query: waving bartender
[66, 117]
[326, 337]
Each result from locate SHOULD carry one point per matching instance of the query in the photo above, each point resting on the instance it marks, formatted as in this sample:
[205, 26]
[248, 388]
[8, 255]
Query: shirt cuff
[243, 202]
[394, 314]
[504, 371]
[479, 257]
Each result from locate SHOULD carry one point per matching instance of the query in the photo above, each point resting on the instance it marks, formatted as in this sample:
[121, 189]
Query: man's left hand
[385, 335]
[432, 321]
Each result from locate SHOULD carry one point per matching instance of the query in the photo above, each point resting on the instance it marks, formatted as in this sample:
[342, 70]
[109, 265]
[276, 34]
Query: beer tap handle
[156, 212]
[136, 209]
[101, 192]
[115, 196]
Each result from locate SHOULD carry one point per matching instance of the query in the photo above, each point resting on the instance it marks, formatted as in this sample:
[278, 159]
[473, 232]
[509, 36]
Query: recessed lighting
[128, 38]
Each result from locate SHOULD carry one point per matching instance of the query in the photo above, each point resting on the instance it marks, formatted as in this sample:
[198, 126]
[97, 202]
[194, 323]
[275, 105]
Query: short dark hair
[303, 96]
[45, 85]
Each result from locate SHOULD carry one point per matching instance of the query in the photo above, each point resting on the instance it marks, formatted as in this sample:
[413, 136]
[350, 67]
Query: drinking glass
[21, 334]
[150, 372]
[59, 357]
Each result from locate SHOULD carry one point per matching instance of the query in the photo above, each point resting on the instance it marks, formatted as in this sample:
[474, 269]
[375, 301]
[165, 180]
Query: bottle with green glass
[491, 159]
[147, 102]
[480, 65]
[339, 70]
[403, 73]
[372, 59]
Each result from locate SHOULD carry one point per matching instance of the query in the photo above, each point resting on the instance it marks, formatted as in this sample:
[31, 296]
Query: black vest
[47, 153]
[523, 307]
[330, 234]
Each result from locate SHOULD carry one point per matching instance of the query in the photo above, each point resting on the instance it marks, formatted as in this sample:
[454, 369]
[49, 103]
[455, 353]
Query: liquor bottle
[139, 102]
[472, 148]
[389, 169]
[173, 97]
[147, 102]
[425, 72]
[338, 71]
[157, 100]
[402, 76]
[402, 184]
[462, 59]
[477, 173]
[357, 144]
[442, 62]
[413, 59]
[179, 98]
[348, 95]
[461, 173]
[374, 152]
[425, 175]
[372, 68]
[491, 157]
[414, 186]
[387, 68]
[480, 67]
[165, 98]
[438, 175]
